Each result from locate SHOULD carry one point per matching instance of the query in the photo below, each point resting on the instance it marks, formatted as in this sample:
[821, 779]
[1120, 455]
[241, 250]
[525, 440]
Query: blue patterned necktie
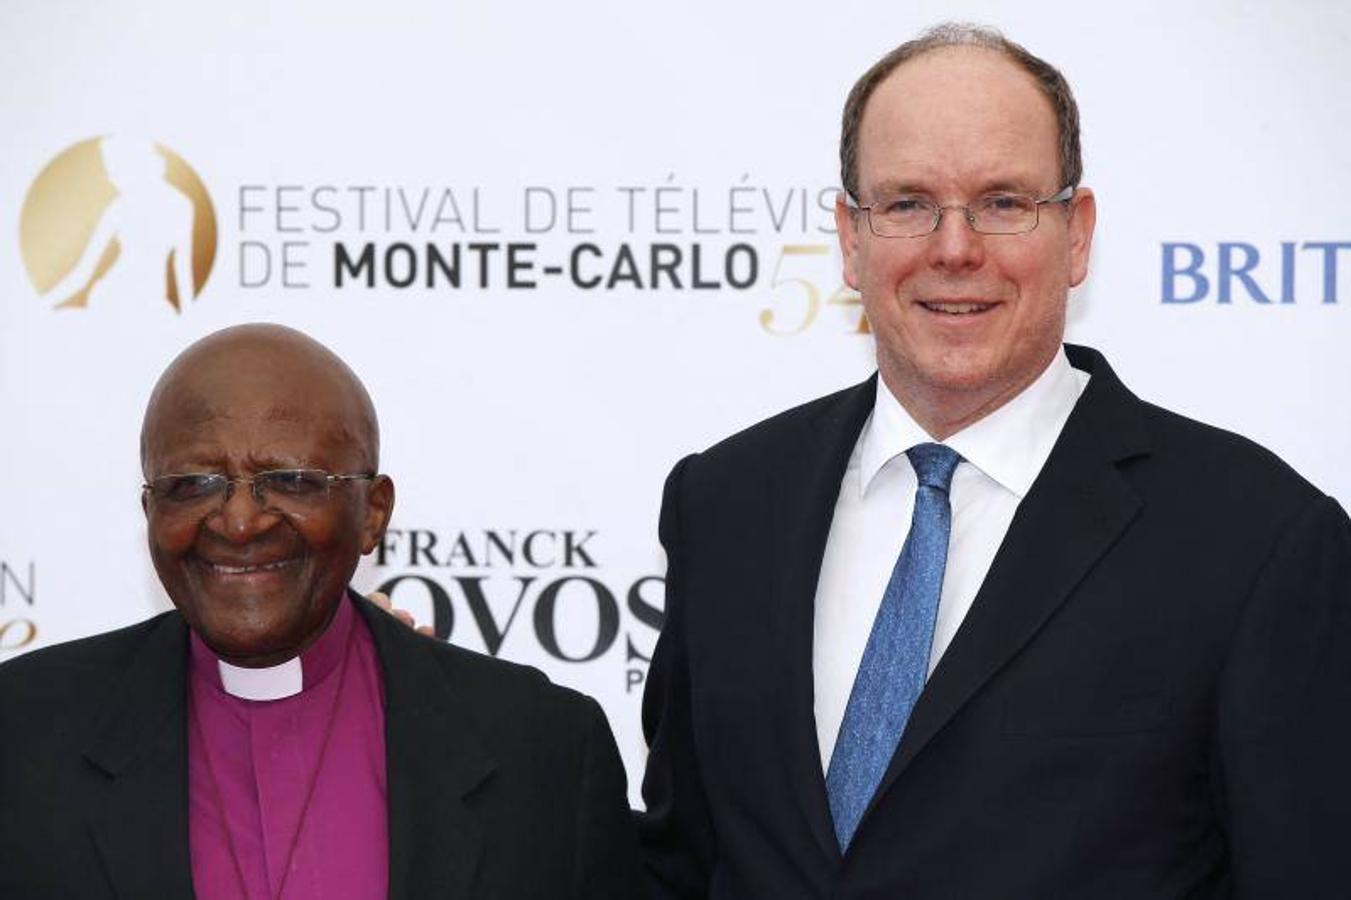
[896, 660]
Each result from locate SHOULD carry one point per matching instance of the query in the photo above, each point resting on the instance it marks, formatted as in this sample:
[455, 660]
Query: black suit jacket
[500, 785]
[1150, 696]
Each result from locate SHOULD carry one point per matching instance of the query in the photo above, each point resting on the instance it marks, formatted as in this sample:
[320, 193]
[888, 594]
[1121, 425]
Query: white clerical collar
[318, 662]
[268, 683]
[1010, 445]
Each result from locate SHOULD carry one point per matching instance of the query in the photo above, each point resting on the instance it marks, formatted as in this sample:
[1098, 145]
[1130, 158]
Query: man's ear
[846, 229]
[379, 508]
[1083, 217]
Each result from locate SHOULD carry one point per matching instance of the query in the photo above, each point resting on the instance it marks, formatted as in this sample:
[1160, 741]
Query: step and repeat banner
[566, 244]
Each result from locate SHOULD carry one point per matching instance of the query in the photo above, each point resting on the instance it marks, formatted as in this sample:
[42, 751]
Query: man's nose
[954, 244]
[241, 516]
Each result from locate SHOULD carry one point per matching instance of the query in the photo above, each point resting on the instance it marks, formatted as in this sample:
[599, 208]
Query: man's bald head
[257, 571]
[279, 372]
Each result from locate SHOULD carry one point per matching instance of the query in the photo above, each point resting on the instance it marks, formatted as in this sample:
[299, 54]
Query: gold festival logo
[114, 216]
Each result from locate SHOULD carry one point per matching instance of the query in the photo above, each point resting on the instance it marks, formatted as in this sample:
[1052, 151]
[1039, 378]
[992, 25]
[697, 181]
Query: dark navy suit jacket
[1149, 698]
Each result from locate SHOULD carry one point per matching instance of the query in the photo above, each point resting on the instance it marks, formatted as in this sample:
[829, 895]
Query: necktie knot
[934, 464]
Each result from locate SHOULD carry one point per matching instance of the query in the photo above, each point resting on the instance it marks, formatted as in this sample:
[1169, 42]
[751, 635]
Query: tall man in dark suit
[988, 625]
[276, 736]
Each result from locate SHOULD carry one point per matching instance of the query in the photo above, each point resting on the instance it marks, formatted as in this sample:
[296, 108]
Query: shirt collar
[285, 679]
[1010, 445]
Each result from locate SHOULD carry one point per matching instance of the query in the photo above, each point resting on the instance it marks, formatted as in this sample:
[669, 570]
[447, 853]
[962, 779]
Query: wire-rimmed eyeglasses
[273, 489]
[907, 215]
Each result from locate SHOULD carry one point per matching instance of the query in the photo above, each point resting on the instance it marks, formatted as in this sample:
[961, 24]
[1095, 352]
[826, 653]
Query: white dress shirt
[1001, 456]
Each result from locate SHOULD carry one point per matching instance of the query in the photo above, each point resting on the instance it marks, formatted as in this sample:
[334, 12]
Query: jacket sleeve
[606, 853]
[1284, 717]
[675, 833]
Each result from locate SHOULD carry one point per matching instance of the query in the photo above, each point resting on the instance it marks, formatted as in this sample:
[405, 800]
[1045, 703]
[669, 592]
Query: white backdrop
[558, 408]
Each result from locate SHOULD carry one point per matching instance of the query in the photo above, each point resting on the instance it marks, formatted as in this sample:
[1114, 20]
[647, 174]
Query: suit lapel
[1077, 508]
[805, 489]
[140, 821]
[434, 762]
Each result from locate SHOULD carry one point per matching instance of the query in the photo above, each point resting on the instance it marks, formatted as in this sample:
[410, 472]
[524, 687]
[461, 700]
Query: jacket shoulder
[772, 437]
[1213, 457]
[492, 683]
[56, 698]
[85, 662]
[510, 703]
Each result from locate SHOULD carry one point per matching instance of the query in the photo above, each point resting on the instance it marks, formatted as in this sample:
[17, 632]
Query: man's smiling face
[963, 320]
[259, 581]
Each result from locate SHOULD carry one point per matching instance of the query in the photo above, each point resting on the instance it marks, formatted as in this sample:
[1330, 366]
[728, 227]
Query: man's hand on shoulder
[403, 615]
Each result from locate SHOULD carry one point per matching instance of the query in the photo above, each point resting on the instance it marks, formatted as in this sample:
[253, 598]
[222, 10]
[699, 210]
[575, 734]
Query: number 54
[811, 295]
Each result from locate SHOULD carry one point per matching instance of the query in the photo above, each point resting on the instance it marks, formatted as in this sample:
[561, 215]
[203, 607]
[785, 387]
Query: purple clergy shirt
[305, 771]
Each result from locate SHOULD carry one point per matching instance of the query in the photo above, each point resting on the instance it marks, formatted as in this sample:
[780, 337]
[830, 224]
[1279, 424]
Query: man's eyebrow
[1003, 185]
[205, 458]
[263, 460]
[892, 187]
[1009, 186]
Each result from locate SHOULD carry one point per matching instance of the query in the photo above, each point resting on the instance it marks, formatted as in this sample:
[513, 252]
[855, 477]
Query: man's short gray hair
[953, 34]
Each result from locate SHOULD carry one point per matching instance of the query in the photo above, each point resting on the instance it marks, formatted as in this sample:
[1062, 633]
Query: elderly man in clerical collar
[276, 737]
